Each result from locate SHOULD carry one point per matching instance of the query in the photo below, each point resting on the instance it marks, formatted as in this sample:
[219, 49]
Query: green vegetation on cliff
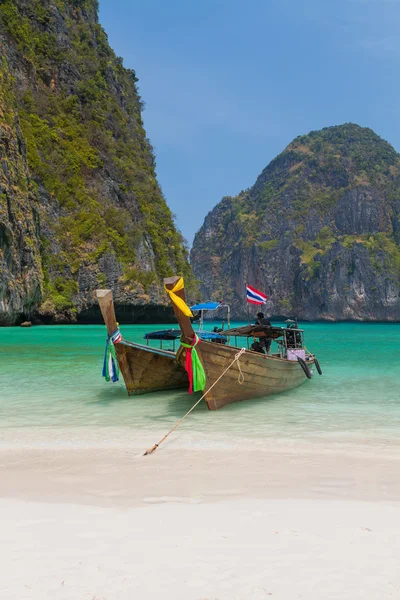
[20, 263]
[314, 171]
[87, 151]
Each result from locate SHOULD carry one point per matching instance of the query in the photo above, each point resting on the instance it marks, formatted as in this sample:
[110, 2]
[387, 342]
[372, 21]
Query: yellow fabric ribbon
[181, 304]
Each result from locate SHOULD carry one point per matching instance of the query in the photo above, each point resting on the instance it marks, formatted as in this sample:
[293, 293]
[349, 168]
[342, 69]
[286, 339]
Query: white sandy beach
[110, 524]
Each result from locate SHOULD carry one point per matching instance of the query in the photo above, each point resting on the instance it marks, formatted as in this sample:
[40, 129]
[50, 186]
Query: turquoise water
[51, 388]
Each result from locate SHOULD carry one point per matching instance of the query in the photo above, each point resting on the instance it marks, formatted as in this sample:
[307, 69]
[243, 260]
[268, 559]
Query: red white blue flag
[254, 296]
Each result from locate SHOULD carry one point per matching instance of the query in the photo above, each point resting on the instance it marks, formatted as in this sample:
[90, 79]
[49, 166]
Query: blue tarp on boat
[210, 335]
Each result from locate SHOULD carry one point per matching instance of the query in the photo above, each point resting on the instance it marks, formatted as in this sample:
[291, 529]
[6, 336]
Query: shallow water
[51, 390]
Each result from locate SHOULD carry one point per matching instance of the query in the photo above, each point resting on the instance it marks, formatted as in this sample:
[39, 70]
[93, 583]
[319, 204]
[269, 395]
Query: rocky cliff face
[80, 207]
[319, 231]
[20, 273]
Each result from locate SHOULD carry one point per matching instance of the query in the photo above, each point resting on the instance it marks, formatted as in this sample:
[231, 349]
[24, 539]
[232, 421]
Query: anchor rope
[240, 380]
[240, 376]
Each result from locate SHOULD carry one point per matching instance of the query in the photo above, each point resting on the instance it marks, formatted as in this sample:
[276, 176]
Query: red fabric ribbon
[189, 368]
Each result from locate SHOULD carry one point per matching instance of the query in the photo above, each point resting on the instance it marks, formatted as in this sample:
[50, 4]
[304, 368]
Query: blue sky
[228, 84]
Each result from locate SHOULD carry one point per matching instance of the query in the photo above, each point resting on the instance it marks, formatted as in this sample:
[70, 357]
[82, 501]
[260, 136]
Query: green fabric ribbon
[194, 368]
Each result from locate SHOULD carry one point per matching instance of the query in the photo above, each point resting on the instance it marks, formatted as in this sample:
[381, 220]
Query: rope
[307, 351]
[237, 356]
[240, 376]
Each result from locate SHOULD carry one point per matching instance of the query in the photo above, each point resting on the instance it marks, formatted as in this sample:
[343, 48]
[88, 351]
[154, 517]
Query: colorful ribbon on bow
[194, 368]
[179, 302]
[110, 365]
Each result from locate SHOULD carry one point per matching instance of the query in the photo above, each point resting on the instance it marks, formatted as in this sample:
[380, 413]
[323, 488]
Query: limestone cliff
[319, 231]
[80, 206]
[20, 265]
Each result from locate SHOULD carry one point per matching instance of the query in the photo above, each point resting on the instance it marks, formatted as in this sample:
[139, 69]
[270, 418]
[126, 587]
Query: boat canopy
[206, 306]
[174, 334]
[256, 331]
[164, 334]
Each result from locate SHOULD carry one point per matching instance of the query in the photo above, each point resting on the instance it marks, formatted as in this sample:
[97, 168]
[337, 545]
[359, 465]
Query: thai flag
[254, 296]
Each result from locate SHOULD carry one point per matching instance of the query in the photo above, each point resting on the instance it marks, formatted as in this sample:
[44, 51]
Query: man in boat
[257, 347]
[293, 337]
[218, 340]
[264, 341]
[261, 320]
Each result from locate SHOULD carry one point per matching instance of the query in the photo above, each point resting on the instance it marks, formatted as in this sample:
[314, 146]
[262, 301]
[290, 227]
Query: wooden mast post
[183, 321]
[106, 303]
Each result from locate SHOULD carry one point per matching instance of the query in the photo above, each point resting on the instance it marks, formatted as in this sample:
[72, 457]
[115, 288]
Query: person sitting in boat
[264, 341]
[261, 320]
[290, 339]
[293, 338]
[218, 340]
[257, 346]
[196, 317]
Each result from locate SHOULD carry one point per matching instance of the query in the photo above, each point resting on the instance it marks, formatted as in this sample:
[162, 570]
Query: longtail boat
[143, 368]
[254, 373]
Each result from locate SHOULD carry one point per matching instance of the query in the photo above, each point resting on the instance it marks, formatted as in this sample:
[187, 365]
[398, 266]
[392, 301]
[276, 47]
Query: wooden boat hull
[144, 369]
[263, 375]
